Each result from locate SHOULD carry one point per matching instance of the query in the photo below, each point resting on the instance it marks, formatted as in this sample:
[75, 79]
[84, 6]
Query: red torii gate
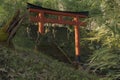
[41, 19]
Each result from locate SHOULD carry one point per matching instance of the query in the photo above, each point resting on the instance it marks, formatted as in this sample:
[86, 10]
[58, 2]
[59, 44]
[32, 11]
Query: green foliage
[28, 65]
[103, 40]
[53, 4]
[8, 7]
[105, 58]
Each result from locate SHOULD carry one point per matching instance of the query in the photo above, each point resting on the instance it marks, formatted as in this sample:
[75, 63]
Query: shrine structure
[41, 19]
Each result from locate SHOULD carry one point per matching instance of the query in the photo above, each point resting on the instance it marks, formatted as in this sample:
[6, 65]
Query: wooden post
[77, 41]
[41, 24]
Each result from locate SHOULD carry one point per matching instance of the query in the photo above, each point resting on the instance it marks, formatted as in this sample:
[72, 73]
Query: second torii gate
[41, 20]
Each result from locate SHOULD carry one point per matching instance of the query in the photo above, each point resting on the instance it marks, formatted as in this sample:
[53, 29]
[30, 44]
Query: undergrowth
[29, 65]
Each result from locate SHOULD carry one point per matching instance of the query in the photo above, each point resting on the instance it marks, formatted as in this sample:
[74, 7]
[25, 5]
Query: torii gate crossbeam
[41, 20]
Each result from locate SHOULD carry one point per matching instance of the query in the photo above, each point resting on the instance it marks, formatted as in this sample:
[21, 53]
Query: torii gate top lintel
[41, 19]
[82, 13]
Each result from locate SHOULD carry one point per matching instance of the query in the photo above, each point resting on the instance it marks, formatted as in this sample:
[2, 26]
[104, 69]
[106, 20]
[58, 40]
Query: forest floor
[54, 52]
[27, 64]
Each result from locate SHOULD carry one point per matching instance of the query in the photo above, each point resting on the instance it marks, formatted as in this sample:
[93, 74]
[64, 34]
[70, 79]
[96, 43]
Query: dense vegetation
[100, 43]
[25, 64]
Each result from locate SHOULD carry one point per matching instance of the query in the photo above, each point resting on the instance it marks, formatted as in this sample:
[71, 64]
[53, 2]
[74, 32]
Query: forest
[26, 54]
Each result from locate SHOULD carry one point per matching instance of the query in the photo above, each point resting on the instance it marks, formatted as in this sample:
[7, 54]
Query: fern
[106, 59]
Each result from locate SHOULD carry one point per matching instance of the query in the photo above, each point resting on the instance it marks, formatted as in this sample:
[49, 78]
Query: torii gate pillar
[41, 23]
[77, 41]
